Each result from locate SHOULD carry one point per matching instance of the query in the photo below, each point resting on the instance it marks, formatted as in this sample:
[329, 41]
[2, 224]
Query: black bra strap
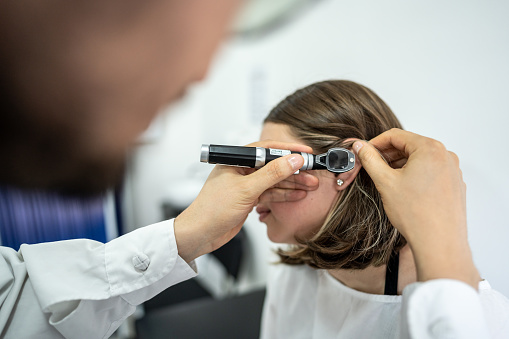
[391, 275]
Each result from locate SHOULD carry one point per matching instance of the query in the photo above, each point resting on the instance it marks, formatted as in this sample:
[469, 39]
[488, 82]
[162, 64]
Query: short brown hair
[356, 232]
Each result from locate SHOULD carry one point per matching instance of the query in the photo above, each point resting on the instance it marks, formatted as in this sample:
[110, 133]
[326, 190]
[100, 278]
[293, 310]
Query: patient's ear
[348, 177]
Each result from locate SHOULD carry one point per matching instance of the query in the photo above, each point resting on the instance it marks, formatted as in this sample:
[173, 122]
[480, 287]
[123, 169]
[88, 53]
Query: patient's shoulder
[284, 271]
[298, 277]
[294, 288]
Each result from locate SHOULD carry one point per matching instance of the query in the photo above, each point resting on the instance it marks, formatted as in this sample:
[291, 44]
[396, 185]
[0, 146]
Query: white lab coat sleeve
[89, 288]
[442, 308]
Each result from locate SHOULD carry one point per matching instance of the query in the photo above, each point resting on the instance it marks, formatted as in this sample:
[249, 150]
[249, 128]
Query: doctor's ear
[343, 180]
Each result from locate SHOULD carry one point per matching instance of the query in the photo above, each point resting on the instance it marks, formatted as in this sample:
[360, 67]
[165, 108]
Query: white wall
[442, 66]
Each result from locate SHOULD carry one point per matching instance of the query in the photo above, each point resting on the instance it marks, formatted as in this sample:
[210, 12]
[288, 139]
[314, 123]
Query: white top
[303, 302]
[83, 288]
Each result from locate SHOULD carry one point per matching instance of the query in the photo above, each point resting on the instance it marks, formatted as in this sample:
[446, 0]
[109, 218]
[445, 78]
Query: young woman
[345, 268]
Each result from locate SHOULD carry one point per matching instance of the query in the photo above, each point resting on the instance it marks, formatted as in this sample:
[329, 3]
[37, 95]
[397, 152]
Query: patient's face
[287, 220]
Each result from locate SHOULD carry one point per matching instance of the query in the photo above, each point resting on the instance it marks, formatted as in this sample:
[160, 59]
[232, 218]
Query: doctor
[80, 80]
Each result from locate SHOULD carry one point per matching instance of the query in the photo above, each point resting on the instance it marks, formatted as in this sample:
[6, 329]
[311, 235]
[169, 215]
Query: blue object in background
[34, 216]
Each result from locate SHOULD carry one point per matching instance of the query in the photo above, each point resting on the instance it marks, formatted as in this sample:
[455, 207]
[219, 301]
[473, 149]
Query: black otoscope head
[336, 160]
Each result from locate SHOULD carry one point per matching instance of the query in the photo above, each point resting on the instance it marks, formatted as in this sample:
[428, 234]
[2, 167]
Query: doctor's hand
[229, 195]
[423, 194]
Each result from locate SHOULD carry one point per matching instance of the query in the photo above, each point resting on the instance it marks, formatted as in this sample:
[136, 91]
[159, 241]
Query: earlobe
[345, 179]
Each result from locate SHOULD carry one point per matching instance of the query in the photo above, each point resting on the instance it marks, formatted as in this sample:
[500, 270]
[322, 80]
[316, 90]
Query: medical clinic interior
[442, 69]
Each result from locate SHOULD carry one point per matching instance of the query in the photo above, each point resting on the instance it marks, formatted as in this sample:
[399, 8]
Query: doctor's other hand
[229, 195]
[423, 194]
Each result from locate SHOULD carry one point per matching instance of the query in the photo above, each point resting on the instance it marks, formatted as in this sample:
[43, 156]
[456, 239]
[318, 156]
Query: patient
[344, 270]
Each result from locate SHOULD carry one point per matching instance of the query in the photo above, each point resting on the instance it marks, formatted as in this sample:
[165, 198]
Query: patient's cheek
[298, 219]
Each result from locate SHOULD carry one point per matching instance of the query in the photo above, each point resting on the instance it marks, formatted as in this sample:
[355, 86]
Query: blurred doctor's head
[336, 226]
[80, 80]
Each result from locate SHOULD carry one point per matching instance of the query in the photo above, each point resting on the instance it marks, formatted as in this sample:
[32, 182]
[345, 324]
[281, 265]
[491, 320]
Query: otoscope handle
[231, 155]
[253, 157]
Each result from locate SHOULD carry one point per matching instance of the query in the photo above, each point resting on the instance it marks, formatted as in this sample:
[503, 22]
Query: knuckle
[287, 195]
[454, 157]
[436, 151]
[272, 195]
[436, 145]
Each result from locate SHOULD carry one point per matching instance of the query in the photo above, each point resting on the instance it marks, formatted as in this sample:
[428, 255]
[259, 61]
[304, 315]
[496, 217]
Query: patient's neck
[372, 279]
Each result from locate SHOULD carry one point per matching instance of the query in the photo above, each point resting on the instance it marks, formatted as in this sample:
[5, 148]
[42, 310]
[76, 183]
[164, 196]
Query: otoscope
[337, 160]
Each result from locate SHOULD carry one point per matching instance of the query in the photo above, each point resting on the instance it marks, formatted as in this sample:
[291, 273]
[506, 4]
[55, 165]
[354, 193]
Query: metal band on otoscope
[260, 157]
[308, 161]
[204, 154]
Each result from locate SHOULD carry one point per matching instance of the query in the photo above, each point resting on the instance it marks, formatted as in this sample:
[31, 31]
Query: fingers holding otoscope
[244, 159]
[336, 160]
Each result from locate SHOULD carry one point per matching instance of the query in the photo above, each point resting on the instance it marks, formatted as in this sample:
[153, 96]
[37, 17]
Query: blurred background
[442, 66]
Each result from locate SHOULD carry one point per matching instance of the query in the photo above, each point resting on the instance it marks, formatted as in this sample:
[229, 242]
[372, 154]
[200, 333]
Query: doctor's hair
[356, 232]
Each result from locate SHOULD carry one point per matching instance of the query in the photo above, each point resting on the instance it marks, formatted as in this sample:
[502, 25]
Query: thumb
[372, 161]
[274, 172]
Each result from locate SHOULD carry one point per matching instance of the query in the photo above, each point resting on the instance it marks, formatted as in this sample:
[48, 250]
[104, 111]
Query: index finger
[301, 181]
[282, 145]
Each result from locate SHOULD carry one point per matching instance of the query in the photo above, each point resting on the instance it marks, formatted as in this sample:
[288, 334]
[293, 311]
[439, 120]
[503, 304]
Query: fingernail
[294, 161]
[357, 146]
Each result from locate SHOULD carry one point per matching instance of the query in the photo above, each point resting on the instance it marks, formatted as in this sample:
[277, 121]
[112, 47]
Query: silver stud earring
[340, 182]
